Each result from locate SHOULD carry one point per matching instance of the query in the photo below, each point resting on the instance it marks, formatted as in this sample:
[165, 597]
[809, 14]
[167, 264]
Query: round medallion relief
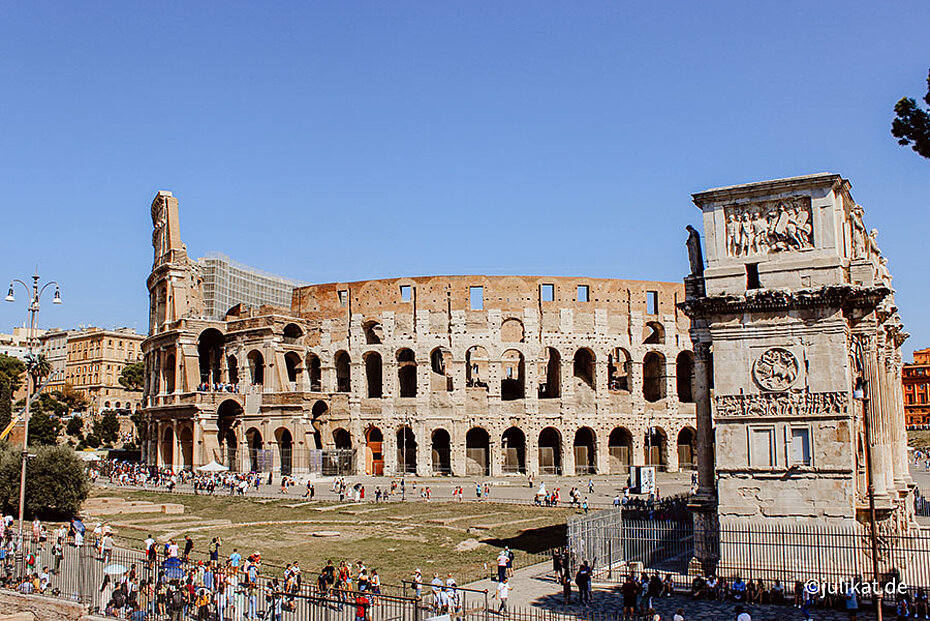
[775, 369]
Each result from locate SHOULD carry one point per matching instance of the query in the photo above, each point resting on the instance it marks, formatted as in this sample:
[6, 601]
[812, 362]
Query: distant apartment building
[16, 344]
[227, 283]
[53, 344]
[916, 379]
[94, 360]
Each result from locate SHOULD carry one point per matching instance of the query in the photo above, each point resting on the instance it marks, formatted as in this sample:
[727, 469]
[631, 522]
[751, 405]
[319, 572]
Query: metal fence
[615, 545]
[81, 574]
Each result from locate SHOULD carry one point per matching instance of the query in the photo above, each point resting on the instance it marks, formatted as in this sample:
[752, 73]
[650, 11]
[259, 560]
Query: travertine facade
[795, 308]
[432, 375]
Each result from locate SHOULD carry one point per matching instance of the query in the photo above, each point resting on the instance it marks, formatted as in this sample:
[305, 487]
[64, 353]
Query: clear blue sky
[349, 140]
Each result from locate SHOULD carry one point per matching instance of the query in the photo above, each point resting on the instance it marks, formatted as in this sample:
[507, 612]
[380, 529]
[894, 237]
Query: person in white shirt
[679, 615]
[742, 615]
[503, 593]
[173, 549]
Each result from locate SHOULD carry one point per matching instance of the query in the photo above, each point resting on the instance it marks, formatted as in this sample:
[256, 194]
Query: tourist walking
[502, 594]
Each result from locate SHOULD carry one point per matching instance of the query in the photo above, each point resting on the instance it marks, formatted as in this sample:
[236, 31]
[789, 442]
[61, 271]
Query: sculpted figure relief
[794, 403]
[773, 226]
[776, 369]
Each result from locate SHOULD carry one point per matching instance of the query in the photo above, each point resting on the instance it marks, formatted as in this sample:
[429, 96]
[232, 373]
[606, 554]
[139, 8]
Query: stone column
[704, 440]
[175, 446]
[568, 452]
[873, 411]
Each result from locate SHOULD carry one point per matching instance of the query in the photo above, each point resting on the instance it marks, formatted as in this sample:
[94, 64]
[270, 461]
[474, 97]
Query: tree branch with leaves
[911, 125]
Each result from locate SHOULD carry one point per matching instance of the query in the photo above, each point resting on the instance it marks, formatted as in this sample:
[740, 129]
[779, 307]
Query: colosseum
[436, 375]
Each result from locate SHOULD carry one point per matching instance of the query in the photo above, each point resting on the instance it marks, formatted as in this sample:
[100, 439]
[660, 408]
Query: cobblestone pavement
[535, 588]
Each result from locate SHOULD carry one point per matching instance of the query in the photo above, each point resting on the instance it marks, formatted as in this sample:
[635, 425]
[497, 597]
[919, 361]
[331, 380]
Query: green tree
[74, 427]
[911, 125]
[132, 376]
[39, 367]
[73, 399]
[43, 429]
[11, 373]
[107, 428]
[91, 440]
[56, 481]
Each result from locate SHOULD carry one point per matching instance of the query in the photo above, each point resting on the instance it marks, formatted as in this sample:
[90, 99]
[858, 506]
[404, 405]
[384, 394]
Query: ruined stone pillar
[704, 441]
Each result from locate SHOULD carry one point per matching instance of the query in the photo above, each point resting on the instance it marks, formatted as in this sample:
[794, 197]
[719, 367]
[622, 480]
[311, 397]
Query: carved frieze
[776, 369]
[786, 404]
[769, 226]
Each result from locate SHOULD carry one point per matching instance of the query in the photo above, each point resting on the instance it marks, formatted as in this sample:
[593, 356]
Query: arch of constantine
[461, 375]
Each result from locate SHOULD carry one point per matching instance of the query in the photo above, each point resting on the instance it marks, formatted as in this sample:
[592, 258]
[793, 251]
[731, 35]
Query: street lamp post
[860, 393]
[35, 293]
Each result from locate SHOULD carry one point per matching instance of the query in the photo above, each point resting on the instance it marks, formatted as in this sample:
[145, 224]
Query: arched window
[374, 335]
[209, 353]
[620, 449]
[342, 439]
[618, 370]
[477, 452]
[292, 334]
[407, 373]
[293, 366]
[684, 376]
[585, 451]
[406, 451]
[257, 367]
[314, 372]
[441, 458]
[343, 372]
[441, 368]
[686, 448]
[476, 367]
[550, 369]
[512, 331]
[373, 370]
[513, 372]
[653, 333]
[513, 445]
[654, 376]
[583, 367]
[550, 451]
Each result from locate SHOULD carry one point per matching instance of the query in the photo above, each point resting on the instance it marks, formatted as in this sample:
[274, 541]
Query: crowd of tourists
[218, 387]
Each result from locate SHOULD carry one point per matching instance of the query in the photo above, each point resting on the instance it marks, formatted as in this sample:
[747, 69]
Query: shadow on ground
[533, 540]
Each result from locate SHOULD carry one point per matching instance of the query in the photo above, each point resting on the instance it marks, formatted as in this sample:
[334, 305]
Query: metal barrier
[82, 574]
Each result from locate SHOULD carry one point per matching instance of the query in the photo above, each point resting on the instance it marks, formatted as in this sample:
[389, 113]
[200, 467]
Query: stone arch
[441, 457]
[285, 442]
[656, 447]
[512, 331]
[476, 367]
[654, 376]
[168, 372]
[513, 446]
[292, 334]
[620, 449]
[342, 439]
[684, 376]
[550, 370]
[232, 369]
[256, 367]
[618, 370]
[583, 367]
[256, 446]
[406, 450]
[374, 457]
[294, 367]
[550, 451]
[513, 375]
[440, 360]
[167, 448]
[186, 442]
[653, 333]
[373, 370]
[686, 448]
[406, 373]
[585, 446]
[209, 354]
[228, 417]
[314, 372]
[374, 333]
[477, 452]
[343, 364]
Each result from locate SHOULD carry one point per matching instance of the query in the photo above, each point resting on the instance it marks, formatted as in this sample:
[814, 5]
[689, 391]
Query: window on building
[343, 297]
[476, 298]
[406, 293]
[652, 302]
[800, 447]
[761, 447]
[583, 293]
[752, 276]
[547, 293]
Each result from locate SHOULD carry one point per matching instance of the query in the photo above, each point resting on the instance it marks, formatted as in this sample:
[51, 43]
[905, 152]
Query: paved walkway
[535, 587]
